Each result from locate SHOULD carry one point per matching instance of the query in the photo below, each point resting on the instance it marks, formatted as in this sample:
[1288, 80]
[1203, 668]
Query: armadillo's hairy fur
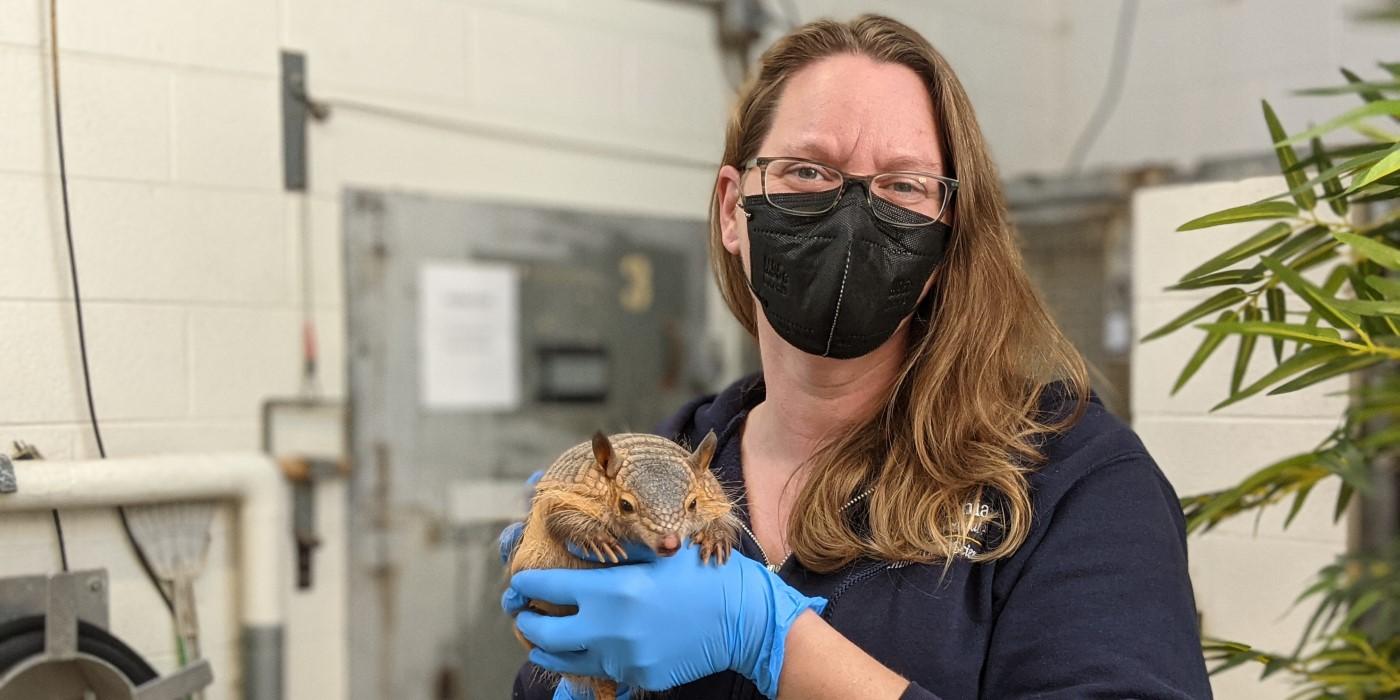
[575, 501]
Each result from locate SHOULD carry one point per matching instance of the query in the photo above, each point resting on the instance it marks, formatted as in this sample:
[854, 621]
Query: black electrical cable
[78, 308]
[1113, 90]
[23, 639]
[62, 545]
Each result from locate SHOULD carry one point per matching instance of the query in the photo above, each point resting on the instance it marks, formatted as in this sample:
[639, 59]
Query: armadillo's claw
[712, 547]
[722, 555]
[604, 550]
[618, 553]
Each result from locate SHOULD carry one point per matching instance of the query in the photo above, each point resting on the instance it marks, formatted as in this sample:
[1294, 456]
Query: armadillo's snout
[670, 544]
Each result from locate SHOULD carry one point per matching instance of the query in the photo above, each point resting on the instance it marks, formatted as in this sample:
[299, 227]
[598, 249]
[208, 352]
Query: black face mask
[839, 284]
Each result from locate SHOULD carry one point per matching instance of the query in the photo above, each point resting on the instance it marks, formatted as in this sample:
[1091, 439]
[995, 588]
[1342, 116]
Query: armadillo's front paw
[603, 548]
[714, 544]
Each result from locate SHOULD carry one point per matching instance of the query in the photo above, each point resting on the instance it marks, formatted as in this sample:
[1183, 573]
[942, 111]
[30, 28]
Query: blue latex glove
[659, 624]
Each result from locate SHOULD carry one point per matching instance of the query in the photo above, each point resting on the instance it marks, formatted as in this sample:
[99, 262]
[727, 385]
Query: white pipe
[252, 479]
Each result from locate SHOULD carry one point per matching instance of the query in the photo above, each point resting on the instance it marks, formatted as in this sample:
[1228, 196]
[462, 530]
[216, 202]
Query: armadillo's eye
[627, 506]
[690, 506]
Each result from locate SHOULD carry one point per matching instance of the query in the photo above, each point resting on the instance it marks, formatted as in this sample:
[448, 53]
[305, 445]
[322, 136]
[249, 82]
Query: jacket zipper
[854, 579]
[748, 691]
[768, 563]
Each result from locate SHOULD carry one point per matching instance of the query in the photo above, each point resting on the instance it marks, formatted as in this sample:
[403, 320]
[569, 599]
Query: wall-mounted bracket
[77, 654]
[8, 482]
[295, 111]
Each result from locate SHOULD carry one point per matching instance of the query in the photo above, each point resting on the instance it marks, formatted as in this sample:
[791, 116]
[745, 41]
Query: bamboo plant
[1341, 215]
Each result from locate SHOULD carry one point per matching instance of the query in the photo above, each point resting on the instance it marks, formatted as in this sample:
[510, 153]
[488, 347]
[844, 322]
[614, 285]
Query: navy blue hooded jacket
[1097, 603]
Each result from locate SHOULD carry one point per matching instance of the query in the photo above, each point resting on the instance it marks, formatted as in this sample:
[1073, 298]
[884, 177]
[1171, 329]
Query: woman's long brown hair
[960, 423]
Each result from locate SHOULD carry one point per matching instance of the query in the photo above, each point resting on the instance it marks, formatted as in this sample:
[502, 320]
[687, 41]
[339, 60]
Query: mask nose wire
[840, 294]
[864, 183]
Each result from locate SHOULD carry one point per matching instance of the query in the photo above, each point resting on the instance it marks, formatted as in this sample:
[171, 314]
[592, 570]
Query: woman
[950, 512]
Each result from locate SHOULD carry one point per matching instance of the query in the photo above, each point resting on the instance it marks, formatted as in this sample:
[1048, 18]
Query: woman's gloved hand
[659, 624]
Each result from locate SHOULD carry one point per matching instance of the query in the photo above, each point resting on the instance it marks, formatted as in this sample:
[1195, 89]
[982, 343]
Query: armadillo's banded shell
[578, 465]
[657, 470]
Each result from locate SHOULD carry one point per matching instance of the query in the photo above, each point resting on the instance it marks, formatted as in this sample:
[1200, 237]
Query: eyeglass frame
[761, 162]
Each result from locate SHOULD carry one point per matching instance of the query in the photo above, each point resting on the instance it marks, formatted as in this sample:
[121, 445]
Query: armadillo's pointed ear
[700, 458]
[603, 452]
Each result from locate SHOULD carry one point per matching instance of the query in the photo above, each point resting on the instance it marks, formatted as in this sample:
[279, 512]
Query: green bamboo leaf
[1345, 459]
[1331, 186]
[1245, 350]
[1314, 297]
[1315, 621]
[1316, 255]
[1288, 160]
[1237, 659]
[1387, 165]
[1215, 508]
[1259, 242]
[1300, 240]
[1290, 331]
[1330, 286]
[1208, 346]
[1375, 133]
[1370, 109]
[1277, 307]
[1356, 86]
[1343, 498]
[1384, 12]
[1355, 162]
[1270, 209]
[1387, 438]
[1388, 287]
[1383, 255]
[1274, 665]
[1226, 298]
[1367, 601]
[1368, 307]
[1356, 275]
[1373, 320]
[1368, 91]
[1339, 366]
[1377, 194]
[1299, 498]
[1356, 149]
[1391, 68]
[1323, 583]
[1338, 655]
[1223, 277]
[1349, 166]
[1306, 358]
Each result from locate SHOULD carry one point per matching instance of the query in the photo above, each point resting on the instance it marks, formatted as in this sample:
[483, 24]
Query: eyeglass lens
[816, 189]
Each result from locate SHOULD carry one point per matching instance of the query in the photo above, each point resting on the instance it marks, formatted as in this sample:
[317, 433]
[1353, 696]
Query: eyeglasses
[816, 188]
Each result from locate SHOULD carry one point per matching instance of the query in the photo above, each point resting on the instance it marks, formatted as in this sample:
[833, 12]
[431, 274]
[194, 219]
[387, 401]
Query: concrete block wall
[1198, 69]
[1245, 576]
[190, 253]
[1195, 73]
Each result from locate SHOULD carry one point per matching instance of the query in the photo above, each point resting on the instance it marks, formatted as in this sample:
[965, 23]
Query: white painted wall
[189, 251]
[1196, 71]
[1245, 580]
[1199, 68]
